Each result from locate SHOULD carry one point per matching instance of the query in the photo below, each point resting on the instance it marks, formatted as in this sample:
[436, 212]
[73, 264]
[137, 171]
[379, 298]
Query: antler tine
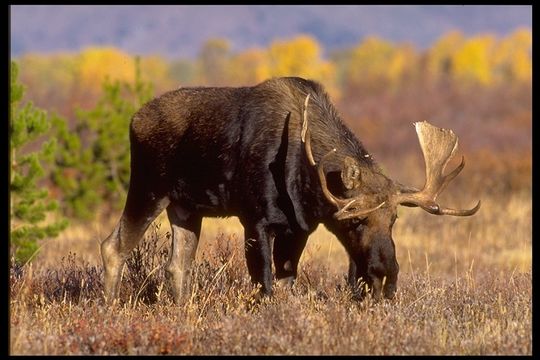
[438, 147]
[343, 214]
[451, 176]
[306, 138]
[454, 212]
[341, 204]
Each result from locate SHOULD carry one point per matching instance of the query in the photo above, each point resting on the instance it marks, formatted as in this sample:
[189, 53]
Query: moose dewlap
[277, 156]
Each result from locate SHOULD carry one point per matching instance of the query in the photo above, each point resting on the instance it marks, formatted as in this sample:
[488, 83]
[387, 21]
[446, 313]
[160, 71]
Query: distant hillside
[175, 31]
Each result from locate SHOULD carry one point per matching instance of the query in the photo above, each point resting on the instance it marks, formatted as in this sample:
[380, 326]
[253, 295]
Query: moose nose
[390, 291]
[381, 287]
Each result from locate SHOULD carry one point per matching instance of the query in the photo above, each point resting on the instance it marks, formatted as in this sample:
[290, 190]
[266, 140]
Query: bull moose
[278, 156]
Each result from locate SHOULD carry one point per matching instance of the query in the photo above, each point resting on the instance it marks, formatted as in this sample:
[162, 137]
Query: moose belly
[204, 198]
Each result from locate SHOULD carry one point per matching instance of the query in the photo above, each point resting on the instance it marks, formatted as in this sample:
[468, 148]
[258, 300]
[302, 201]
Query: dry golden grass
[465, 287]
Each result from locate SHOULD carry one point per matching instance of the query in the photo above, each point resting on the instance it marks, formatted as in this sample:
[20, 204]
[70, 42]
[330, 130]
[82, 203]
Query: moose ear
[350, 174]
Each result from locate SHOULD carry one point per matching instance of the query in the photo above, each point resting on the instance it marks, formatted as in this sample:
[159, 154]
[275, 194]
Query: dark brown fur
[237, 152]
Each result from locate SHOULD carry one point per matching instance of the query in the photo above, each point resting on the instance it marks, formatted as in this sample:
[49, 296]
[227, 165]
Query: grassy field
[465, 287]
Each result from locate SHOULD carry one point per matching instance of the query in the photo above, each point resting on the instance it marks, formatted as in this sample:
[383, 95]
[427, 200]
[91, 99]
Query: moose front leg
[288, 247]
[259, 256]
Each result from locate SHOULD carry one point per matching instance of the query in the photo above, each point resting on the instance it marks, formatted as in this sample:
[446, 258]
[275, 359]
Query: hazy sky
[180, 30]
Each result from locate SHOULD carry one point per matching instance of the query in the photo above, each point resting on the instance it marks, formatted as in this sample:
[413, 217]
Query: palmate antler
[438, 146]
[347, 208]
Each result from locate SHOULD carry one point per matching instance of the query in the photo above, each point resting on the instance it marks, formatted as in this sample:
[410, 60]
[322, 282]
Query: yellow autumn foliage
[439, 56]
[483, 59]
[63, 81]
[49, 80]
[299, 56]
[155, 69]
[472, 61]
[248, 67]
[214, 60]
[512, 56]
[377, 62]
[95, 64]
[370, 59]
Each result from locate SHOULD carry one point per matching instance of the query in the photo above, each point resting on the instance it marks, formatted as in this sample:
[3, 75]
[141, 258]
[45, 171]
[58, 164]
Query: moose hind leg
[185, 238]
[138, 214]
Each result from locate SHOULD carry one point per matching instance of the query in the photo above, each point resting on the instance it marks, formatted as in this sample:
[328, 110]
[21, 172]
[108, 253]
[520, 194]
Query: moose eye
[358, 223]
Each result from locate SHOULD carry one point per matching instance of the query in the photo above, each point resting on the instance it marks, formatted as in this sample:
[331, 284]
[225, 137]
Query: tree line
[71, 162]
[64, 81]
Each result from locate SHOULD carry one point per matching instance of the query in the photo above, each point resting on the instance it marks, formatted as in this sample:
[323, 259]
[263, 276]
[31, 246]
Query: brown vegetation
[464, 288]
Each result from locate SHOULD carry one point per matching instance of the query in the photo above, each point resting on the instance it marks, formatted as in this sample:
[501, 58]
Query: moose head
[366, 214]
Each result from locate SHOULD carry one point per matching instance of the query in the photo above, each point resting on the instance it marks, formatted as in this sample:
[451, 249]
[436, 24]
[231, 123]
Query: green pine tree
[93, 165]
[29, 203]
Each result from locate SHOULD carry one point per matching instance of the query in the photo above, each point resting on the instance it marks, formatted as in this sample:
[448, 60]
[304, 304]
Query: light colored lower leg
[286, 281]
[289, 280]
[116, 248]
[179, 268]
[112, 264]
[114, 252]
